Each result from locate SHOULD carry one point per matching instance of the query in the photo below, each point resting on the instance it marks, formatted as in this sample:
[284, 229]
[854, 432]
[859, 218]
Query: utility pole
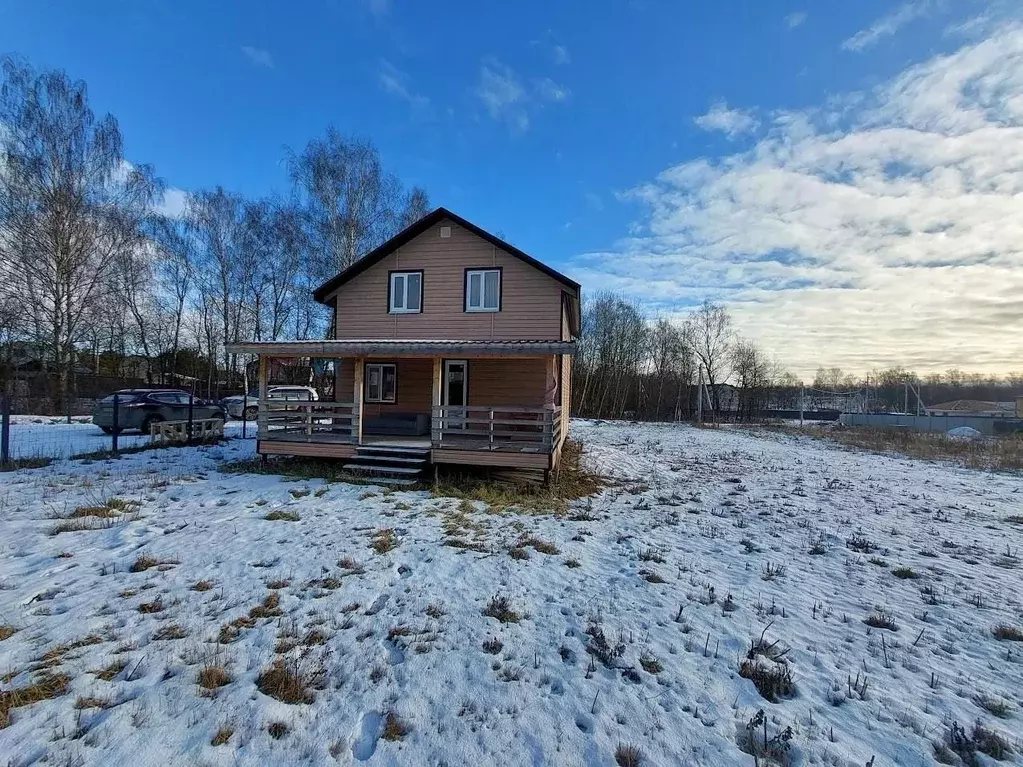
[699, 397]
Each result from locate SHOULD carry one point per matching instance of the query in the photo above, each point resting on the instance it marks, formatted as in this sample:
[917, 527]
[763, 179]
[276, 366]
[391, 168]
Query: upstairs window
[405, 295]
[483, 290]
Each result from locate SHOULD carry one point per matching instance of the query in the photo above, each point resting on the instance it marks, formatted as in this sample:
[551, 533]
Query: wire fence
[120, 424]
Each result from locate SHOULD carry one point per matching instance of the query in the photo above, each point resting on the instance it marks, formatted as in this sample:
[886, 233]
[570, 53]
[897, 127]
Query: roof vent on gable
[445, 232]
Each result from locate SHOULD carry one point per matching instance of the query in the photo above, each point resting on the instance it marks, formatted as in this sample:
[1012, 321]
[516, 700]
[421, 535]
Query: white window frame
[392, 293]
[481, 307]
[380, 396]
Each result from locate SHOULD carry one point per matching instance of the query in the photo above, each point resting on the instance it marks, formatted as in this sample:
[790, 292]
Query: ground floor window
[381, 382]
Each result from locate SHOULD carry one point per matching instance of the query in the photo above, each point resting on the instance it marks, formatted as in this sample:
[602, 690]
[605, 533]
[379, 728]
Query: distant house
[450, 346]
[974, 407]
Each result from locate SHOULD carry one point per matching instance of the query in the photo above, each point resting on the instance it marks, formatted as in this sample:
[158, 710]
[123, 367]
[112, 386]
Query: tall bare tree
[351, 204]
[70, 205]
[710, 327]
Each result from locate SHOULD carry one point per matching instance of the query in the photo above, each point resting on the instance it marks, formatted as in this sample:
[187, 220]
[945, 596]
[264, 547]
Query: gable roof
[416, 229]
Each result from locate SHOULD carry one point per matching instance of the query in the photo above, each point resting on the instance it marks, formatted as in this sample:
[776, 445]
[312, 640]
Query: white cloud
[561, 55]
[258, 56]
[795, 19]
[732, 122]
[508, 100]
[173, 203]
[399, 84]
[884, 229]
[549, 90]
[888, 25]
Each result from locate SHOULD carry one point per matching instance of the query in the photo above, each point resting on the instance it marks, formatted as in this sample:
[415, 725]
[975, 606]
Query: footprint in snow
[378, 605]
[369, 733]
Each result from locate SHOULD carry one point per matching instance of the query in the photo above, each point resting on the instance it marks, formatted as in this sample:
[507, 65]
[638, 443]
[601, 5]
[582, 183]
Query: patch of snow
[708, 539]
[965, 433]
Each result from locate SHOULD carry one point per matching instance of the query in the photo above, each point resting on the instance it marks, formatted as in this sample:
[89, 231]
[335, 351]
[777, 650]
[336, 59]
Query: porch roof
[403, 348]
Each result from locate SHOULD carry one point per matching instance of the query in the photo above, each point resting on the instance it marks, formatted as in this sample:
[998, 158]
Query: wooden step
[378, 469]
[374, 450]
[390, 459]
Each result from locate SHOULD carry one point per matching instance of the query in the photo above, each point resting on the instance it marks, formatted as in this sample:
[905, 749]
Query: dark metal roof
[401, 347]
[416, 229]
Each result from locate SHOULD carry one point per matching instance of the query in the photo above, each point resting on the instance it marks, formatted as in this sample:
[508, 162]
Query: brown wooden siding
[512, 382]
[310, 449]
[491, 458]
[531, 304]
[415, 386]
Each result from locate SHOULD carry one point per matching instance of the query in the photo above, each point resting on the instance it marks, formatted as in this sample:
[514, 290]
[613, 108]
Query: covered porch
[485, 403]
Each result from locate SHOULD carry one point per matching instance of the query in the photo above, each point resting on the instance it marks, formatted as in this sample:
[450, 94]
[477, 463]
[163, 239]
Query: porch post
[261, 424]
[360, 368]
[436, 422]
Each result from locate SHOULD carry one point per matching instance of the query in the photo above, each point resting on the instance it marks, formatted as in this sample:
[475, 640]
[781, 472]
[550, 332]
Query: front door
[456, 380]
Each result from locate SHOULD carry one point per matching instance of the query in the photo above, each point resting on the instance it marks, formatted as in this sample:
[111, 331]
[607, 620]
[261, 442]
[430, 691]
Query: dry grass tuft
[881, 620]
[92, 702]
[277, 730]
[211, 677]
[45, 687]
[1007, 633]
[143, 563]
[222, 736]
[395, 728]
[500, 607]
[279, 515]
[203, 585]
[538, 544]
[110, 673]
[56, 655]
[285, 682]
[169, 631]
[155, 606]
[279, 583]
[6, 632]
[517, 552]
[270, 608]
[628, 756]
[384, 540]
[905, 573]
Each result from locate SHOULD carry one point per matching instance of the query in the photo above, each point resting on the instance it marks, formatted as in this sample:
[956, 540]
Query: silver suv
[240, 406]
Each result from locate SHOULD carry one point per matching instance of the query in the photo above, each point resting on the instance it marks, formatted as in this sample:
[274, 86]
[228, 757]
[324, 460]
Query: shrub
[906, 573]
[599, 646]
[1008, 633]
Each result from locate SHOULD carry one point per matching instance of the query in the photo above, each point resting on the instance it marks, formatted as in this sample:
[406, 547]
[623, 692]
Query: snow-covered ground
[701, 546]
[36, 436]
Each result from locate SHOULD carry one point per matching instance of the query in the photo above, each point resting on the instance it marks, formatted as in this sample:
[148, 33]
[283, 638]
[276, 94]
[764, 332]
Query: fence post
[245, 415]
[191, 413]
[116, 429]
[5, 429]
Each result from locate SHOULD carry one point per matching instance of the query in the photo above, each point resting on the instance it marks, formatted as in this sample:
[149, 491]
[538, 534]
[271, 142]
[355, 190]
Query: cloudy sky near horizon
[847, 178]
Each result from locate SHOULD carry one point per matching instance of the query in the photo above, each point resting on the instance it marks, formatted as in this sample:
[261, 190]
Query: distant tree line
[632, 367]
[93, 276]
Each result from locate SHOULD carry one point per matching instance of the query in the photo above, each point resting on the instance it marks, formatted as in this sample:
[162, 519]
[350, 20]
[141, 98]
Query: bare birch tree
[70, 205]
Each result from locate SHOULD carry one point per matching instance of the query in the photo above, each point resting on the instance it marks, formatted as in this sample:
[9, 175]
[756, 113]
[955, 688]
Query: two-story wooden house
[450, 347]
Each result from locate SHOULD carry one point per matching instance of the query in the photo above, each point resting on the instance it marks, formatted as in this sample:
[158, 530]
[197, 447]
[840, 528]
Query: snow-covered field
[703, 545]
[36, 436]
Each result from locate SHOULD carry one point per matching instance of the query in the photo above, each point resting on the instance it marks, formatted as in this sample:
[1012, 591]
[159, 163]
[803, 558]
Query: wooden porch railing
[488, 427]
[308, 421]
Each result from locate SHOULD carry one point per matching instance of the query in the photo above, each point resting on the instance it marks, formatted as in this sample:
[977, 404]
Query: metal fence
[987, 425]
[33, 440]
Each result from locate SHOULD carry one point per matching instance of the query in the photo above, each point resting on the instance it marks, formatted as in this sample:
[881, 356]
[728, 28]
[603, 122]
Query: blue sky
[565, 126]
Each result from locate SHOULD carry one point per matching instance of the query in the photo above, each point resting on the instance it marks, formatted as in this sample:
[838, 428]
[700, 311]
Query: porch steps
[399, 465]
